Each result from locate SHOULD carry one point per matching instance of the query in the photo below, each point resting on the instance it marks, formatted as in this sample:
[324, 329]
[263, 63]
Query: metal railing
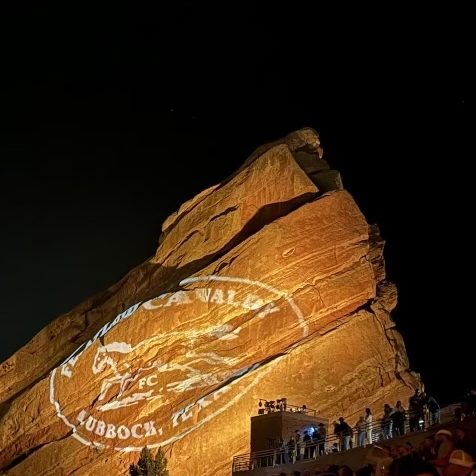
[311, 450]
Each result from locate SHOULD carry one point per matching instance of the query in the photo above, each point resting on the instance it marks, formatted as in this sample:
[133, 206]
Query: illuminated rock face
[261, 287]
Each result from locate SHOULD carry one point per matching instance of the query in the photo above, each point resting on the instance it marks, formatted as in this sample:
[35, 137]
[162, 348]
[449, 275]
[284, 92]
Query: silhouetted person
[415, 408]
[433, 409]
[344, 432]
[333, 468]
[460, 464]
[387, 421]
[344, 470]
[292, 449]
[297, 437]
[307, 440]
[321, 439]
[461, 441]
[365, 471]
[398, 419]
[361, 427]
[444, 446]
[380, 458]
[369, 419]
[469, 404]
[428, 449]
[281, 457]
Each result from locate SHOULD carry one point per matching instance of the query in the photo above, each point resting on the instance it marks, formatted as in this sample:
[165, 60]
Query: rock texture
[269, 284]
[272, 185]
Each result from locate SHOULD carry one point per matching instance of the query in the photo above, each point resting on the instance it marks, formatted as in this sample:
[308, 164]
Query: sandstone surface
[272, 185]
[262, 286]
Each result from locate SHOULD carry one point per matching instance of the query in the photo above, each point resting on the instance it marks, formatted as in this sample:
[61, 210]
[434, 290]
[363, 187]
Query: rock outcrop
[270, 283]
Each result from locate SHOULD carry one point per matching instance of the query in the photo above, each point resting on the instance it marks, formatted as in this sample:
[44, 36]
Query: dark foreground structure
[421, 445]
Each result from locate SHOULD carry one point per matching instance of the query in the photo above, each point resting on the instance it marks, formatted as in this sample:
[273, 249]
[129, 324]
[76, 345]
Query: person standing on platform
[369, 425]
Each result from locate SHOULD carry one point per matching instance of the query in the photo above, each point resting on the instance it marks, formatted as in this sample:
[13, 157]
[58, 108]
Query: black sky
[111, 119]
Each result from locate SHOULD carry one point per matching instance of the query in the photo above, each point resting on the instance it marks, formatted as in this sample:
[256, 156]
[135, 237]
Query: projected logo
[183, 359]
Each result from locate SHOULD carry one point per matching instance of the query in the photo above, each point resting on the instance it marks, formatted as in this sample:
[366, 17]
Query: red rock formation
[262, 285]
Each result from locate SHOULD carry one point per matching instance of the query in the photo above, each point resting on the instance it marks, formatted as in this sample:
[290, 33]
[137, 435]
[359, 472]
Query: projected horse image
[155, 378]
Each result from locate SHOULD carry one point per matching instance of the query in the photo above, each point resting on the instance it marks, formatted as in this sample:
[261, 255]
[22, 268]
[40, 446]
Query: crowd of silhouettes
[445, 453]
[436, 452]
[300, 447]
[423, 411]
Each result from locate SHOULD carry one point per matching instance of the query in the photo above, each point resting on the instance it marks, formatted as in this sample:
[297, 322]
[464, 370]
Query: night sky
[111, 119]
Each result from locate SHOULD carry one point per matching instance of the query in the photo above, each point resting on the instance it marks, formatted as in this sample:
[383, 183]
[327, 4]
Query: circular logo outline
[194, 279]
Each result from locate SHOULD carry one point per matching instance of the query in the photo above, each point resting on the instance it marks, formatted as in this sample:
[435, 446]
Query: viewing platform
[271, 461]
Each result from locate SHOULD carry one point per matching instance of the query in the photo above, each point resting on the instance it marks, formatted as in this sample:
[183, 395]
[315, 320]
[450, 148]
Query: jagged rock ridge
[269, 283]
